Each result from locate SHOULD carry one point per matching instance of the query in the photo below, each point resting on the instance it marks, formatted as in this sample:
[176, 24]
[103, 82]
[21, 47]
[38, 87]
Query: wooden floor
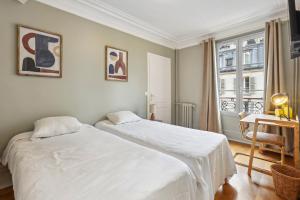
[240, 186]
[7, 194]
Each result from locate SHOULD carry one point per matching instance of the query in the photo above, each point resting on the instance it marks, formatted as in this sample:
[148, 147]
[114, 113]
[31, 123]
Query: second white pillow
[122, 117]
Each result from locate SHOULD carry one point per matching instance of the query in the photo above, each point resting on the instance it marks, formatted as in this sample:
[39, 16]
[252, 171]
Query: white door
[159, 86]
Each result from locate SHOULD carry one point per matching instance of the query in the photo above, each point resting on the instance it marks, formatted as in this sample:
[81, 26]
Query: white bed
[207, 154]
[93, 164]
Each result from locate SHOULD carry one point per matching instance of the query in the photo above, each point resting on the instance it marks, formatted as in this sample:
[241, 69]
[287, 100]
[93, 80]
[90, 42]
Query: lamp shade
[279, 99]
[152, 108]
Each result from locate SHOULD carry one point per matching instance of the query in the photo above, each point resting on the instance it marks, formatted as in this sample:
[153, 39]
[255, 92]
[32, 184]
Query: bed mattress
[206, 153]
[93, 164]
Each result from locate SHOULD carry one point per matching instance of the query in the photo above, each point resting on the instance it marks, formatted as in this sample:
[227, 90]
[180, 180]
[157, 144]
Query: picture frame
[116, 64]
[39, 52]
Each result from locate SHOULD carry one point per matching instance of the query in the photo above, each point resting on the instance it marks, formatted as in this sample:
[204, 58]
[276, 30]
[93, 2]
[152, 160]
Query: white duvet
[207, 154]
[94, 165]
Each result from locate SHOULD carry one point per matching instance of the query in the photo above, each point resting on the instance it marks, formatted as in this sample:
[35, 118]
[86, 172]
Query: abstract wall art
[39, 52]
[116, 64]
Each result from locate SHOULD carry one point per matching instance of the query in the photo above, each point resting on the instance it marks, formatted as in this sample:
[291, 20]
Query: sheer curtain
[209, 113]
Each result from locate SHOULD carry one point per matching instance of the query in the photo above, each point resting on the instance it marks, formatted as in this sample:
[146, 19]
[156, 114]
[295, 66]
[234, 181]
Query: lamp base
[285, 116]
[152, 117]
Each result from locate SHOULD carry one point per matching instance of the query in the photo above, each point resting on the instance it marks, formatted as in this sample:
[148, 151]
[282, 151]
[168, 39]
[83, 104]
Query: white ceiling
[188, 17]
[175, 23]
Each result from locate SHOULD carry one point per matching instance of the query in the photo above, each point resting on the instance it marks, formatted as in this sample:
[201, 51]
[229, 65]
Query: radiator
[184, 114]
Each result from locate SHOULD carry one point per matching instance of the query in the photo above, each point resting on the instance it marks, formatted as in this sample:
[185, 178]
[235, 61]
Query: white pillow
[122, 117]
[53, 126]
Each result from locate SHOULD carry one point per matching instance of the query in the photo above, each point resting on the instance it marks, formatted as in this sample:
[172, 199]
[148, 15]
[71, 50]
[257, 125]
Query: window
[227, 58]
[246, 84]
[229, 62]
[241, 66]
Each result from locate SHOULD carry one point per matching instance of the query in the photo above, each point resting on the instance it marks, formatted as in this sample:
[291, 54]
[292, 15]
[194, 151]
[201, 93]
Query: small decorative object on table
[152, 110]
[282, 100]
[287, 181]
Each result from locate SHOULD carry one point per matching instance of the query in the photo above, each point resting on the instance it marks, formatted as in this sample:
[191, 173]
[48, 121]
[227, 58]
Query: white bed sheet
[94, 164]
[207, 154]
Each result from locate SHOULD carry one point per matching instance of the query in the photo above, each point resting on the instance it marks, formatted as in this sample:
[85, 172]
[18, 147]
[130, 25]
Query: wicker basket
[287, 181]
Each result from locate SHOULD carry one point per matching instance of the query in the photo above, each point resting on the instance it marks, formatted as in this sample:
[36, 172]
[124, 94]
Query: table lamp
[280, 99]
[152, 110]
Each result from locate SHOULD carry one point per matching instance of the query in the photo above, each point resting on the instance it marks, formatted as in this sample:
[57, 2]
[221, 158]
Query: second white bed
[207, 154]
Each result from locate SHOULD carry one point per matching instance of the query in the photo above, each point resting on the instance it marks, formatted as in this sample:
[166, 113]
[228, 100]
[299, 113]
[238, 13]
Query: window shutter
[252, 85]
[246, 84]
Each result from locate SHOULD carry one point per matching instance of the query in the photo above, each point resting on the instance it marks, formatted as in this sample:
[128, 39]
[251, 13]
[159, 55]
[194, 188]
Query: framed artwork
[116, 64]
[39, 53]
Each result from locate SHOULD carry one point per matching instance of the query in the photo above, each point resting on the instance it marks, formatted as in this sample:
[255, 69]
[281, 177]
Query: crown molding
[104, 14]
[23, 1]
[243, 25]
[107, 15]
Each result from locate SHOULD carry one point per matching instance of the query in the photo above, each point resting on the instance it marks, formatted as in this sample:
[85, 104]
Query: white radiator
[184, 114]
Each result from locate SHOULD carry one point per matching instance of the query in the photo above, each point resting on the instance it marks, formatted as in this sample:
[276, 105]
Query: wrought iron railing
[250, 104]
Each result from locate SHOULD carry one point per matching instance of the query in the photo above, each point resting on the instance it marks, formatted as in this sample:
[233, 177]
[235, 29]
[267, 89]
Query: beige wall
[190, 66]
[82, 92]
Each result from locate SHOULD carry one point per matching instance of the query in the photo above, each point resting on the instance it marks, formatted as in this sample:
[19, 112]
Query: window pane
[227, 57]
[227, 63]
[253, 74]
[253, 53]
[240, 64]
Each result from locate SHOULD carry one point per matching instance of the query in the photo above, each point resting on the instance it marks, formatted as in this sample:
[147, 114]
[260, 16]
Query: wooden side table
[272, 120]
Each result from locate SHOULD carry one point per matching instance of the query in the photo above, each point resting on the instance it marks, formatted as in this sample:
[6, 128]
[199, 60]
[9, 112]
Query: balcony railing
[250, 104]
[251, 66]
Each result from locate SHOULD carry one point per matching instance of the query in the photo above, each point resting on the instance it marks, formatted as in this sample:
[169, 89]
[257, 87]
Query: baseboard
[5, 177]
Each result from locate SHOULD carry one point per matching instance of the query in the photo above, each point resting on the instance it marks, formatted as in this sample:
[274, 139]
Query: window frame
[239, 86]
